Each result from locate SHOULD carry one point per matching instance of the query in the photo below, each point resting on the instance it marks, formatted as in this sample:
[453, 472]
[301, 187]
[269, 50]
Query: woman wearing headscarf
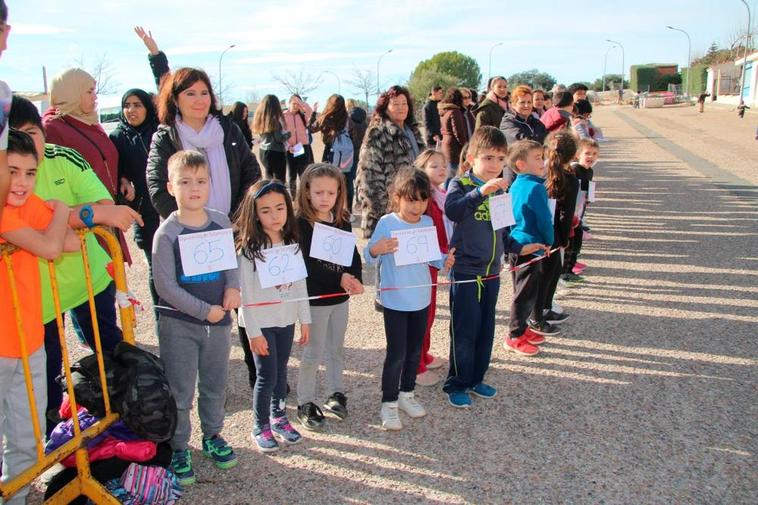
[137, 123]
[72, 121]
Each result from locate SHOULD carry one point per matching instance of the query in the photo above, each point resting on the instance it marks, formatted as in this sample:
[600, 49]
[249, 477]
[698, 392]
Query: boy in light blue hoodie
[533, 224]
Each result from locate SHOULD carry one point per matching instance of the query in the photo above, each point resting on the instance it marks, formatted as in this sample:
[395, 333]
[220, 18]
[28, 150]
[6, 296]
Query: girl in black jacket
[563, 186]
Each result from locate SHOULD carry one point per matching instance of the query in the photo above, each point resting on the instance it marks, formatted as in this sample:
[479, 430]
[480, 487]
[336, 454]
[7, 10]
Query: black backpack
[137, 387]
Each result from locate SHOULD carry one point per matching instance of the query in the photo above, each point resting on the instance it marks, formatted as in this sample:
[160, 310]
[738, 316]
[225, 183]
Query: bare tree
[222, 90]
[363, 81]
[736, 39]
[298, 83]
[103, 72]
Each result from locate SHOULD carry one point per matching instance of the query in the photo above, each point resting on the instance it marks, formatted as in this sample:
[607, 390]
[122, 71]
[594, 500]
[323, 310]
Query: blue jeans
[110, 335]
[472, 331]
[270, 392]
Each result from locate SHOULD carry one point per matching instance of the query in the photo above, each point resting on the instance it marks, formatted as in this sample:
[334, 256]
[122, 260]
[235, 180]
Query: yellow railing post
[84, 483]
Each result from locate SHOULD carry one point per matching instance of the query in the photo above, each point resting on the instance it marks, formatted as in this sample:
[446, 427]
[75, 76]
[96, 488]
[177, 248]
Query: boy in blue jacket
[478, 249]
[533, 224]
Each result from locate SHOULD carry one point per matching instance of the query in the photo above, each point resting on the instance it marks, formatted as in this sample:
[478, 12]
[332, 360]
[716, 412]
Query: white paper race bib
[207, 252]
[332, 245]
[280, 265]
[416, 245]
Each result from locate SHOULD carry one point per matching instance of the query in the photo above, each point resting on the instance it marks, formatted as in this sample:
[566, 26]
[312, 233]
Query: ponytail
[561, 149]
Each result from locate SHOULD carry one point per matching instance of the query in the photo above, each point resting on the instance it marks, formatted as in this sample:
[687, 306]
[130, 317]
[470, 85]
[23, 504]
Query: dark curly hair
[380, 112]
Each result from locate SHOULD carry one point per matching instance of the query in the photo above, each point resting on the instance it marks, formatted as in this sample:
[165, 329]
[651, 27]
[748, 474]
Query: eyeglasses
[269, 186]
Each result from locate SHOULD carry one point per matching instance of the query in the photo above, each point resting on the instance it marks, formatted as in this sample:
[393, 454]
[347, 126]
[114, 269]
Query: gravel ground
[647, 397]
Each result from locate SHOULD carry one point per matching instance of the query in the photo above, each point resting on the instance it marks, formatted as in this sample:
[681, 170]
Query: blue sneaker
[282, 427]
[483, 390]
[181, 464]
[264, 439]
[219, 451]
[459, 399]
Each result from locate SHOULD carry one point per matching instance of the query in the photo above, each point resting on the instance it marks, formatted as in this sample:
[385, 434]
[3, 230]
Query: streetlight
[489, 68]
[605, 65]
[621, 96]
[378, 92]
[744, 57]
[339, 82]
[221, 98]
[689, 53]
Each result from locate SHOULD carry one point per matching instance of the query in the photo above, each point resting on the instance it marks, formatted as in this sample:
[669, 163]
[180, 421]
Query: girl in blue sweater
[405, 310]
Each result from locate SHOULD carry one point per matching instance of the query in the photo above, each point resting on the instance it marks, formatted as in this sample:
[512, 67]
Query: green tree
[532, 78]
[421, 83]
[612, 81]
[464, 68]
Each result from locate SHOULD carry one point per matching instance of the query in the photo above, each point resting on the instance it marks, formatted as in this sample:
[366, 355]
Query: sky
[340, 37]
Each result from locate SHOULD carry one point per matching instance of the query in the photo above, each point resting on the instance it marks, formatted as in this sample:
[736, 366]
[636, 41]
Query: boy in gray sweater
[194, 328]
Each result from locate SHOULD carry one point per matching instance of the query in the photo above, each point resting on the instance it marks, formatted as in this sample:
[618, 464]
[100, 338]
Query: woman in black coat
[235, 170]
[137, 123]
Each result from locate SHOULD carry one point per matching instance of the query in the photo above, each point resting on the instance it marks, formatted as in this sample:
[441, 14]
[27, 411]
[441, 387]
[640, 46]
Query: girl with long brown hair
[269, 124]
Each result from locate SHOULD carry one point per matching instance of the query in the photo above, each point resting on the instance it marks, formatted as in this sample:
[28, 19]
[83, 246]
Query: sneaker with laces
[311, 417]
[407, 402]
[520, 346]
[181, 464]
[459, 399]
[533, 338]
[264, 439]
[483, 390]
[572, 279]
[543, 328]
[390, 416]
[337, 405]
[553, 317]
[283, 429]
[218, 450]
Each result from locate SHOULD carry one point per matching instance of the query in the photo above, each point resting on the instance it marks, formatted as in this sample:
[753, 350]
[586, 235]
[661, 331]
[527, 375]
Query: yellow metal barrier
[84, 483]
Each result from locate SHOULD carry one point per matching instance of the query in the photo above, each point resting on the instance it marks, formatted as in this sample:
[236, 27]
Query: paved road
[648, 397]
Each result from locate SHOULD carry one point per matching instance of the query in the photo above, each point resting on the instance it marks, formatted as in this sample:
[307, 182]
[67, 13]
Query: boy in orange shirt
[40, 230]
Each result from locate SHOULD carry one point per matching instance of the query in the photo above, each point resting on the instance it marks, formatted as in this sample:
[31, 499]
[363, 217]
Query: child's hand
[450, 260]
[232, 298]
[258, 345]
[532, 248]
[383, 246]
[305, 334]
[117, 216]
[350, 284]
[127, 189]
[493, 185]
[216, 314]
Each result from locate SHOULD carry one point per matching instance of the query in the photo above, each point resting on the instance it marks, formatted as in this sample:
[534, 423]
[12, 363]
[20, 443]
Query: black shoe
[543, 328]
[555, 318]
[310, 416]
[586, 228]
[337, 405]
[572, 279]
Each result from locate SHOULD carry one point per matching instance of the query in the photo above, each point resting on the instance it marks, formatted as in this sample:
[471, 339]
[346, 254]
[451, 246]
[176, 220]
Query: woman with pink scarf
[490, 111]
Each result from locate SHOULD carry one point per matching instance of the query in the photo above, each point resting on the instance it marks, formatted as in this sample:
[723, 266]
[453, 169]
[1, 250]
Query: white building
[723, 82]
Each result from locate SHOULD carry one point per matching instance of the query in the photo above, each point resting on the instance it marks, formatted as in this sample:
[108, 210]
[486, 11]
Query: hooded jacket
[488, 113]
[555, 119]
[133, 145]
[478, 248]
[454, 132]
[385, 150]
[243, 166]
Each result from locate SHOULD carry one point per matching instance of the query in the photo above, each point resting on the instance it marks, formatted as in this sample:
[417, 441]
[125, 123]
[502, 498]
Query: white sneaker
[408, 404]
[390, 416]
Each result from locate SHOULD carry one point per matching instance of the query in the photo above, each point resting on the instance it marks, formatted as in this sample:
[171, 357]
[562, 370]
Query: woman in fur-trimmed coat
[392, 142]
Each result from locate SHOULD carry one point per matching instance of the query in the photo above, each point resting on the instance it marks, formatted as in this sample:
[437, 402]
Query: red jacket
[90, 141]
[433, 211]
[553, 119]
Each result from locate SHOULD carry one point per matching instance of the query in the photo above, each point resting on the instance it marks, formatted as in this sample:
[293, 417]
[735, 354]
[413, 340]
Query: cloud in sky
[341, 35]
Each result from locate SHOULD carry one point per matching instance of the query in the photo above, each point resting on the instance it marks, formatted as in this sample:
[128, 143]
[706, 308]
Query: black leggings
[551, 272]
[296, 165]
[404, 332]
[274, 164]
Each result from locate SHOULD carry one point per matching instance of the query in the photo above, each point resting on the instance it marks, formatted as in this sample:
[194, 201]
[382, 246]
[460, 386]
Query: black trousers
[296, 165]
[526, 286]
[274, 164]
[404, 332]
[252, 374]
[573, 250]
[551, 272]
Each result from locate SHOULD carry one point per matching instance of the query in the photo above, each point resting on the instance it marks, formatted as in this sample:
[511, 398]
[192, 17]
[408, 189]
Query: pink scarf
[494, 98]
